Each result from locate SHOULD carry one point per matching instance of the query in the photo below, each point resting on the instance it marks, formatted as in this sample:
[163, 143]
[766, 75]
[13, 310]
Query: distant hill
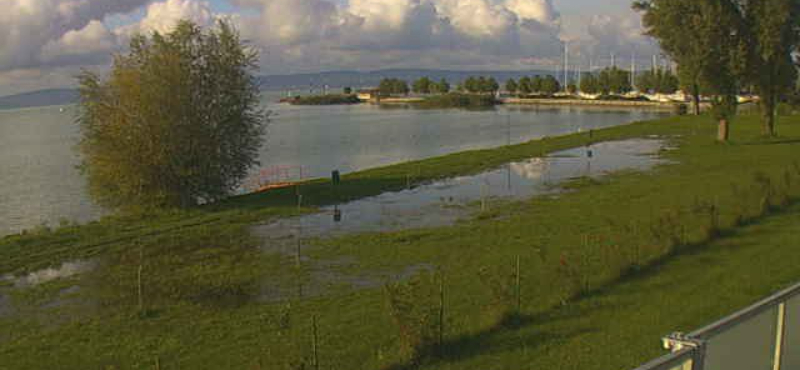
[39, 98]
[295, 82]
[339, 79]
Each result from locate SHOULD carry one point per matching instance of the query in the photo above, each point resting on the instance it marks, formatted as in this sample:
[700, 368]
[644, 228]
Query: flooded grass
[444, 202]
[204, 276]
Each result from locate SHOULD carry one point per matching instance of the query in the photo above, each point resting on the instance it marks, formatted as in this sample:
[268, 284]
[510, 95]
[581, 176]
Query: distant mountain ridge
[298, 83]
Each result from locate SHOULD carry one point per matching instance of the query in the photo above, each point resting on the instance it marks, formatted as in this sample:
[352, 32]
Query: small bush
[501, 283]
[667, 232]
[710, 212]
[413, 309]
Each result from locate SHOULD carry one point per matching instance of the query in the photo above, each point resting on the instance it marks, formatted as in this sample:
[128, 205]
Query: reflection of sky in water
[351, 138]
[40, 184]
[442, 202]
[66, 270]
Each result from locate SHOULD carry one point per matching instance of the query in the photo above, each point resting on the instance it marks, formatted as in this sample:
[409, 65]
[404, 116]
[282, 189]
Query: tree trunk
[769, 115]
[723, 133]
[696, 97]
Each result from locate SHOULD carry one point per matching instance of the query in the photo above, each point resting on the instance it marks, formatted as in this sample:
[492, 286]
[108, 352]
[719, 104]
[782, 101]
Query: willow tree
[177, 120]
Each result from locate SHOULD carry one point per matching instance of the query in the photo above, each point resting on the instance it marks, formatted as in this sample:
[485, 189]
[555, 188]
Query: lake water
[39, 182]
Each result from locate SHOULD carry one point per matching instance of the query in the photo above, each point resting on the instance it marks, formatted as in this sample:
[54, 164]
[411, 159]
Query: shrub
[413, 309]
[177, 122]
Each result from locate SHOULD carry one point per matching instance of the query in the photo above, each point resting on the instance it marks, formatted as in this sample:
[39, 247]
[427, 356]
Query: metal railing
[764, 336]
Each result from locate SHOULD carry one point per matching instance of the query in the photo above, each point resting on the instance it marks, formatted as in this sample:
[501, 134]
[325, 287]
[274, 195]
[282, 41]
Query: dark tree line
[608, 81]
[480, 85]
[425, 85]
[393, 86]
[540, 85]
[660, 81]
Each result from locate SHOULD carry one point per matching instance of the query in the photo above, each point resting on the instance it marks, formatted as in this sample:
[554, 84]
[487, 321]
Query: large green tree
[709, 40]
[176, 122]
[774, 29]
[676, 24]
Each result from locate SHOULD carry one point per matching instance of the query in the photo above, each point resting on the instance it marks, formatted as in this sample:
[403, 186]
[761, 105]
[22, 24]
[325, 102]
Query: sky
[44, 43]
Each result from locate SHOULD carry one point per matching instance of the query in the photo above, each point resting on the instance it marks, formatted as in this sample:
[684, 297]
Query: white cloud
[308, 34]
[26, 26]
[93, 40]
[541, 11]
[163, 16]
[313, 35]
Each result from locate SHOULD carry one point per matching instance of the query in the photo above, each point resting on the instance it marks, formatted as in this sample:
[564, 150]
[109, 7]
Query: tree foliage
[710, 41]
[423, 86]
[589, 84]
[481, 84]
[722, 46]
[393, 86]
[443, 87]
[613, 80]
[176, 121]
[657, 81]
[774, 29]
[511, 86]
[677, 24]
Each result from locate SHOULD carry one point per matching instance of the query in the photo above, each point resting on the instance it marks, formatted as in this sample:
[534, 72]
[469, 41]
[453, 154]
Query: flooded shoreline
[444, 202]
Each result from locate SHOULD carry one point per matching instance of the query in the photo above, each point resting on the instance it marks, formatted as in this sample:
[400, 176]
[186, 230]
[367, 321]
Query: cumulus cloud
[307, 33]
[27, 26]
[618, 34]
[313, 35]
[94, 41]
[163, 16]
[602, 36]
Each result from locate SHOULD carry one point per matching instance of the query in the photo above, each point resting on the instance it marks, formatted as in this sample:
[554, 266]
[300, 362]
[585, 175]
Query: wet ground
[424, 205]
[66, 270]
[444, 202]
[327, 275]
[32, 280]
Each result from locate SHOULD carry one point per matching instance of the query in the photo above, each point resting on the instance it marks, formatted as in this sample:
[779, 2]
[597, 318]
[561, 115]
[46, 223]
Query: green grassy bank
[605, 270]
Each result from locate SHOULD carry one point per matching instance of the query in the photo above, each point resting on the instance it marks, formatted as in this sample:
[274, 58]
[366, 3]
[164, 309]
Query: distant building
[368, 94]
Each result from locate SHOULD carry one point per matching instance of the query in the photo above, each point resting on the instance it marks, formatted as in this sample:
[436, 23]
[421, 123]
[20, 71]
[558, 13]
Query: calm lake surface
[39, 182]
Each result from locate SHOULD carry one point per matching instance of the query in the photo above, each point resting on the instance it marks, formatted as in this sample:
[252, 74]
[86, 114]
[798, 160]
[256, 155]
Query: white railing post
[780, 333]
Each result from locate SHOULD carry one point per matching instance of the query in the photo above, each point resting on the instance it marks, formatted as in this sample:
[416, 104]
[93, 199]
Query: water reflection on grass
[444, 202]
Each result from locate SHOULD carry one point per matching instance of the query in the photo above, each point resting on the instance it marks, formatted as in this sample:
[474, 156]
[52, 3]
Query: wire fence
[764, 336]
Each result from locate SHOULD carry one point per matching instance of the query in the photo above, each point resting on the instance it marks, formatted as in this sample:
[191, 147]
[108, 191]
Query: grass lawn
[605, 269]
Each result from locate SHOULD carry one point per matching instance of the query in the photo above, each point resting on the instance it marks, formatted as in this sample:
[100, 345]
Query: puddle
[444, 202]
[35, 278]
